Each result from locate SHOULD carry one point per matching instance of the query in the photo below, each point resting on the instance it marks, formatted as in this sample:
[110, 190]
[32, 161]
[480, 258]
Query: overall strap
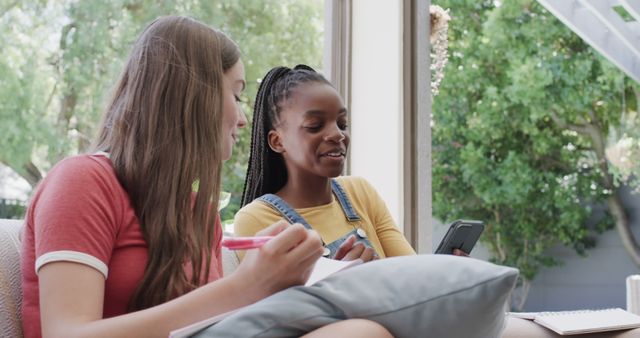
[347, 208]
[284, 209]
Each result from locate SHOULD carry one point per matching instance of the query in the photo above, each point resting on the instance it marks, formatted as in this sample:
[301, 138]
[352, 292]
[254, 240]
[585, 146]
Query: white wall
[376, 106]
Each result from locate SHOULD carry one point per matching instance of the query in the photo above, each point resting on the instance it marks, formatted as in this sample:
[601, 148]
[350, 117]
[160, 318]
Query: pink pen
[243, 243]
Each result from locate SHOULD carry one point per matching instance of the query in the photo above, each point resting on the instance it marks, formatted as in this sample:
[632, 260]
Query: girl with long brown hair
[117, 243]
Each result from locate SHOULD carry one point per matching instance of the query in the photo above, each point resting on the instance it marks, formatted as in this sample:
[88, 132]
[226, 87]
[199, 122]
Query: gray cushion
[414, 296]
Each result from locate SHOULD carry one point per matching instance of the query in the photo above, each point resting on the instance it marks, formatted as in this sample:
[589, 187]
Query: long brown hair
[162, 128]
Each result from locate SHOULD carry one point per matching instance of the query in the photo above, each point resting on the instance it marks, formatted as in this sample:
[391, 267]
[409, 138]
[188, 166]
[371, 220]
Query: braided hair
[267, 172]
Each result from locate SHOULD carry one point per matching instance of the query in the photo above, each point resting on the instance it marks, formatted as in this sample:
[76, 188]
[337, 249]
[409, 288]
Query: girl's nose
[242, 121]
[335, 137]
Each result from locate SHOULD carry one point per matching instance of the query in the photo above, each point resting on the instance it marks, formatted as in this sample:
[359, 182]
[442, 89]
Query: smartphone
[462, 234]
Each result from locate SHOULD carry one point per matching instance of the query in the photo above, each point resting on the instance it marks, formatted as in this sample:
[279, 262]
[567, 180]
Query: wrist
[247, 287]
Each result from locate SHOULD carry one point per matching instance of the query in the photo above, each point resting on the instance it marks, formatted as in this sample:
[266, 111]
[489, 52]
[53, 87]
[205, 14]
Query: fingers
[309, 250]
[285, 260]
[286, 240]
[367, 254]
[304, 256]
[345, 247]
[355, 252]
[359, 250]
[458, 252]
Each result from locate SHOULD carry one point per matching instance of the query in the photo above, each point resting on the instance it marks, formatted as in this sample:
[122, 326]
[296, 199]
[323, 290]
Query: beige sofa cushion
[10, 278]
[230, 261]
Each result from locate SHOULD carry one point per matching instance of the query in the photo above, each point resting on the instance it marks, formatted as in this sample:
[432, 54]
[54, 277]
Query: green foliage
[502, 148]
[60, 58]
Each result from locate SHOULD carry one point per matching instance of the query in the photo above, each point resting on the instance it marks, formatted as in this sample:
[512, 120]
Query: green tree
[60, 58]
[519, 132]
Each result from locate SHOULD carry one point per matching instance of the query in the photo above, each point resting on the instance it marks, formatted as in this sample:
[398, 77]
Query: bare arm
[71, 301]
[71, 294]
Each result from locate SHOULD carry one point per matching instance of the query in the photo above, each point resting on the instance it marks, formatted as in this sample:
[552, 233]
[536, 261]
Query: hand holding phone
[462, 234]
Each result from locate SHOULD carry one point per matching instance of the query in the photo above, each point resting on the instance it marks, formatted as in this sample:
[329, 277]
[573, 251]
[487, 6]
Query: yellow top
[330, 221]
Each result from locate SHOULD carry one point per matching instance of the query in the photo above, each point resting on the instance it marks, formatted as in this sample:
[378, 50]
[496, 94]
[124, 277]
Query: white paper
[325, 267]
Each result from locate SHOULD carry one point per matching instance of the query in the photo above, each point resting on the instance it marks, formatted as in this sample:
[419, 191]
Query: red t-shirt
[81, 213]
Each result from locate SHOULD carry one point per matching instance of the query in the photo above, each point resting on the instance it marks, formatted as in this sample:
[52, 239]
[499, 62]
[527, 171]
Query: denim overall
[292, 216]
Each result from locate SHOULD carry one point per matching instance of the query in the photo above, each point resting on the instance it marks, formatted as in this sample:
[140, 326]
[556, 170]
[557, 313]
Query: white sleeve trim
[72, 256]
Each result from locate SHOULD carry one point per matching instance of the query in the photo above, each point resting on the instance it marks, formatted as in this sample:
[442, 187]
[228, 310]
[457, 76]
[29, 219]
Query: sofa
[11, 292]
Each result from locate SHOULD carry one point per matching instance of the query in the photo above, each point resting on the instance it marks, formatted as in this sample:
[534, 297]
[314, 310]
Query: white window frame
[415, 214]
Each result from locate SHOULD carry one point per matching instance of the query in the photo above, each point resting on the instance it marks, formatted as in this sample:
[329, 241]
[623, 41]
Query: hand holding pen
[284, 257]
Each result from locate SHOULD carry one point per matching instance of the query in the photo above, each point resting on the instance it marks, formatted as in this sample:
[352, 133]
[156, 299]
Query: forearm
[394, 243]
[215, 298]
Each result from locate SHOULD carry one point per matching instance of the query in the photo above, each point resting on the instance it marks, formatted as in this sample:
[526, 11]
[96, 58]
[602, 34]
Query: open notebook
[583, 321]
[324, 268]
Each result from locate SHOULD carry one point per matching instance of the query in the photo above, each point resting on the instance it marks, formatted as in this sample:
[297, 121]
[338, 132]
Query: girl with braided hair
[298, 145]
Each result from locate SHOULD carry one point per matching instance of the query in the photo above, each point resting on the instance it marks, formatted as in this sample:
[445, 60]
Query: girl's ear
[275, 141]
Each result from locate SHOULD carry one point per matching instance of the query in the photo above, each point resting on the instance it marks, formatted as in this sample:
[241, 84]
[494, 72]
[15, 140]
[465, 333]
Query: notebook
[583, 321]
[324, 268]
